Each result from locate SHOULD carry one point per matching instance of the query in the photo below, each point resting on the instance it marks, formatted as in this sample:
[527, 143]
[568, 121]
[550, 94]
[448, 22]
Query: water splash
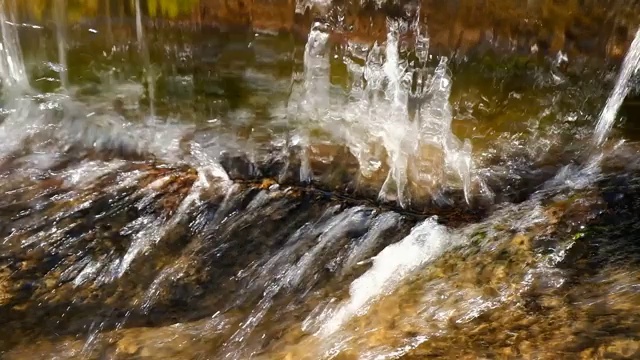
[310, 101]
[417, 148]
[396, 133]
[435, 128]
[607, 117]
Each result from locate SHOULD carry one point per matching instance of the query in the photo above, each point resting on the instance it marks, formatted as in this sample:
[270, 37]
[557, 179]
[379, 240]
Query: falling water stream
[331, 198]
[61, 36]
[629, 68]
[142, 43]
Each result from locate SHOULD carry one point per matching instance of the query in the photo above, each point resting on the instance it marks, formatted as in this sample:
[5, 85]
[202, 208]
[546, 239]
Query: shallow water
[173, 192]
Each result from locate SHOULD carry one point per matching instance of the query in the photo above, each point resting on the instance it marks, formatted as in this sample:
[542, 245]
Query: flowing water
[629, 68]
[198, 194]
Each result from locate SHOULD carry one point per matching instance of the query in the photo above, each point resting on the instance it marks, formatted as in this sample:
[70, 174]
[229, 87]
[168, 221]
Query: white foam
[390, 267]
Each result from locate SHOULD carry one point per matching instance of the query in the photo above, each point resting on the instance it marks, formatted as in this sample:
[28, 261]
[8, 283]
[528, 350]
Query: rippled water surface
[184, 192]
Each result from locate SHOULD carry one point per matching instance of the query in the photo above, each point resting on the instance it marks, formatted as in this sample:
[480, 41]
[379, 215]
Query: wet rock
[588, 354]
[126, 347]
[491, 297]
[500, 290]
[71, 278]
[621, 349]
[5, 286]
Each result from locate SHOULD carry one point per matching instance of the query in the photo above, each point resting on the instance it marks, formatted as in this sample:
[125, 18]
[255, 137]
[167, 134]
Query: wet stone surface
[194, 286]
[63, 269]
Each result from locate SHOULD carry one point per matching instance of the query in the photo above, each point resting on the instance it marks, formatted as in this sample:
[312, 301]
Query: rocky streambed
[165, 266]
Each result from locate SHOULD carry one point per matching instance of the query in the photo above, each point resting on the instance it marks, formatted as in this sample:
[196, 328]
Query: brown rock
[127, 346]
[624, 348]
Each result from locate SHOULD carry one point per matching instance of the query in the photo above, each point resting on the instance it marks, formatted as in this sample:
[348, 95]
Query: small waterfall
[607, 117]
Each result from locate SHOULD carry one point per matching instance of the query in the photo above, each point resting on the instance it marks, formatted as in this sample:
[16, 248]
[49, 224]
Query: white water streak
[370, 240]
[391, 266]
[12, 70]
[630, 66]
[144, 50]
[61, 34]
[290, 275]
[152, 230]
[397, 132]
[24, 117]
